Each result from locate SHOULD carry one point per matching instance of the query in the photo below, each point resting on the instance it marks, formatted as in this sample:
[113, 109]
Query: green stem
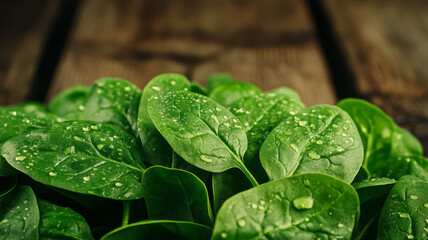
[249, 176]
[126, 211]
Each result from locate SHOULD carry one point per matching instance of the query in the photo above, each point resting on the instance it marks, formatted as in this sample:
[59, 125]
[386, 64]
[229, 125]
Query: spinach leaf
[160, 230]
[114, 101]
[405, 144]
[260, 114]
[201, 131]
[373, 188]
[230, 92]
[156, 150]
[196, 88]
[19, 214]
[321, 139]
[288, 92]
[70, 103]
[405, 212]
[61, 223]
[176, 194]
[81, 156]
[306, 206]
[179, 163]
[216, 80]
[20, 119]
[226, 184]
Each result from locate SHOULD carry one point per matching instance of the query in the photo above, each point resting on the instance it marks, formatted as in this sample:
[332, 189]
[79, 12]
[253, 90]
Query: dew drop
[52, 174]
[340, 225]
[118, 184]
[426, 205]
[205, 158]
[410, 237]
[156, 88]
[86, 129]
[303, 123]
[242, 223]
[262, 202]
[94, 127]
[127, 89]
[215, 119]
[294, 147]
[403, 215]
[414, 197]
[78, 139]
[305, 202]
[20, 158]
[314, 155]
[253, 205]
[100, 146]
[173, 82]
[223, 235]
[87, 178]
[306, 182]
[319, 142]
[217, 109]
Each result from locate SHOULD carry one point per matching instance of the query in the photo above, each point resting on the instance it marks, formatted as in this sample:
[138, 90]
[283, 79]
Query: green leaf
[285, 91]
[217, 79]
[19, 214]
[197, 88]
[81, 156]
[230, 92]
[373, 188]
[303, 206]
[114, 101]
[70, 103]
[227, 184]
[260, 114]
[174, 194]
[405, 212]
[160, 230]
[201, 131]
[376, 130]
[155, 149]
[405, 144]
[61, 223]
[17, 120]
[321, 139]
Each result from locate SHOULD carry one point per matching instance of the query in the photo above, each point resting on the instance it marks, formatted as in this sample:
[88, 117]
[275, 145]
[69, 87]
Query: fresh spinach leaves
[111, 161]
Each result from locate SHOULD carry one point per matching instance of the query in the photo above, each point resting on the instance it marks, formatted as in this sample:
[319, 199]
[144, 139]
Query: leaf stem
[126, 211]
[249, 176]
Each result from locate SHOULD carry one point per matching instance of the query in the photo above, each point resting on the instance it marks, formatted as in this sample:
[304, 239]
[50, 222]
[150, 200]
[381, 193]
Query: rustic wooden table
[326, 50]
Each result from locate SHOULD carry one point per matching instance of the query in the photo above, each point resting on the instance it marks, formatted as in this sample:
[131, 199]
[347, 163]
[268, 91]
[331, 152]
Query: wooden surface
[24, 28]
[137, 40]
[326, 50]
[386, 46]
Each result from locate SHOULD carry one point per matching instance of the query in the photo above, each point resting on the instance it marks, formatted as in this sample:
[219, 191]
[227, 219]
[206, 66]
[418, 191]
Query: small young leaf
[321, 139]
[19, 214]
[174, 194]
[216, 80]
[230, 92]
[160, 230]
[201, 131]
[156, 150]
[114, 101]
[70, 103]
[61, 223]
[303, 206]
[260, 114]
[81, 156]
[405, 212]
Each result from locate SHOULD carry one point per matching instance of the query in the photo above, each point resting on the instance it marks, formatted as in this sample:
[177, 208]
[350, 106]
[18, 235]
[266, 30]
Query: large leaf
[306, 206]
[114, 101]
[81, 156]
[260, 114]
[19, 214]
[230, 92]
[70, 103]
[201, 131]
[20, 119]
[155, 149]
[61, 223]
[405, 213]
[321, 139]
[176, 194]
[160, 230]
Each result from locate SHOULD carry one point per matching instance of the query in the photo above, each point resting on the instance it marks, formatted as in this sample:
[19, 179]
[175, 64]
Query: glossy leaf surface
[155, 148]
[321, 139]
[70, 103]
[81, 156]
[306, 206]
[230, 92]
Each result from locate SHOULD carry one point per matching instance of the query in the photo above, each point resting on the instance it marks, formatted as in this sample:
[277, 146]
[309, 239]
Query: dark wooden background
[326, 50]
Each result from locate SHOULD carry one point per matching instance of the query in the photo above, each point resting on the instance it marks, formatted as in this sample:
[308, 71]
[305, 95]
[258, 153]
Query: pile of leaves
[180, 161]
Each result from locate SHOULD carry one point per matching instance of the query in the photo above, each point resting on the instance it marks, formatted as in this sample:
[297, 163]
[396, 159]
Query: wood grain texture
[24, 28]
[386, 45]
[269, 43]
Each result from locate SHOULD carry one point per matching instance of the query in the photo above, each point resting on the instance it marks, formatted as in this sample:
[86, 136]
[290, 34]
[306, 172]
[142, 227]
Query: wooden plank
[385, 43]
[24, 29]
[270, 43]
